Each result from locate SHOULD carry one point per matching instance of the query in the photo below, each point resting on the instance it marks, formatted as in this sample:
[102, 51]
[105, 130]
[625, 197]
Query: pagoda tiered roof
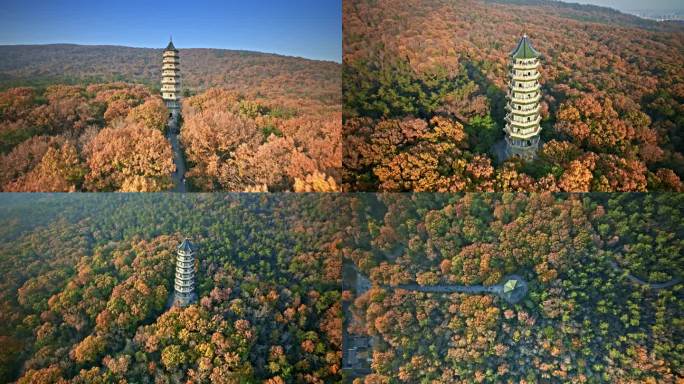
[524, 50]
[170, 47]
[186, 246]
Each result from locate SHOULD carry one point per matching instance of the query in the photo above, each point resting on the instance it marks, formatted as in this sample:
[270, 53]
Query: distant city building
[184, 286]
[524, 93]
[171, 84]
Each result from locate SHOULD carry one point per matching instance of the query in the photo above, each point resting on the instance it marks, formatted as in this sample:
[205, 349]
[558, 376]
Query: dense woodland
[604, 273]
[87, 278]
[279, 144]
[101, 137]
[424, 94]
[252, 122]
[110, 137]
[251, 73]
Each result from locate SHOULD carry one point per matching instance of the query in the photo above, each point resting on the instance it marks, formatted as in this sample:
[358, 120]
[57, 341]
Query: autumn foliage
[592, 262]
[245, 72]
[103, 137]
[130, 158]
[252, 122]
[88, 281]
[239, 144]
[611, 85]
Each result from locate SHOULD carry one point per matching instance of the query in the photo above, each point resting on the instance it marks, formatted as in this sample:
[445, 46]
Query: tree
[131, 157]
[89, 350]
[172, 357]
[151, 114]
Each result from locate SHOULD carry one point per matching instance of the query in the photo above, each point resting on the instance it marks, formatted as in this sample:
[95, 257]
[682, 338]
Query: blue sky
[306, 28]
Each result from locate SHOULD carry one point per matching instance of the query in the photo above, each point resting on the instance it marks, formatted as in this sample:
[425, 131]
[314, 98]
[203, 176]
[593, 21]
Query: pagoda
[524, 93]
[184, 286]
[171, 85]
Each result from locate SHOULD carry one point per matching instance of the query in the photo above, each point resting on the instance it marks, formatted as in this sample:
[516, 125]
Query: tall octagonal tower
[184, 285]
[524, 93]
[171, 84]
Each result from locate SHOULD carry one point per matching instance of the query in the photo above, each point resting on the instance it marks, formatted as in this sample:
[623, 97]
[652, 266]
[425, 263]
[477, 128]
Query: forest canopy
[604, 277]
[100, 137]
[111, 137]
[93, 120]
[87, 280]
[252, 73]
[612, 86]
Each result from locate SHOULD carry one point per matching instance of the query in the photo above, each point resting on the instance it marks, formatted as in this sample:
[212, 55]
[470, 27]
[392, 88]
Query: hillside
[76, 118]
[90, 138]
[591, 13]
[248, 72]
[86, 278]
[425, 90]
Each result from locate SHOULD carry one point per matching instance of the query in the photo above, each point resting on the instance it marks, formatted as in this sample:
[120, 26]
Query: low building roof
[510, 285]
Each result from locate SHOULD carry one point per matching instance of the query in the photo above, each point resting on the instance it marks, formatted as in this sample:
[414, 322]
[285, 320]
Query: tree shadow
[495, 95]
[497, 105]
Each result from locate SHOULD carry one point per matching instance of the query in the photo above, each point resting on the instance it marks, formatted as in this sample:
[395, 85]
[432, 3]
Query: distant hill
[248, 72]
[589, 13]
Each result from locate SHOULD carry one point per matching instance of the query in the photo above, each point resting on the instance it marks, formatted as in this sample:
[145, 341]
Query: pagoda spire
[524, 93]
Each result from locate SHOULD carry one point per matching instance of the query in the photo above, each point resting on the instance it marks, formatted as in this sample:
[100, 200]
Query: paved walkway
[448, 288]
[512, 297]
[179, 175]
[639, 281]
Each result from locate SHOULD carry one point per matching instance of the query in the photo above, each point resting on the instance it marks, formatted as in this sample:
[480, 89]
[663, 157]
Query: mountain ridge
[249, 72]
[162, 49]
[599, 13]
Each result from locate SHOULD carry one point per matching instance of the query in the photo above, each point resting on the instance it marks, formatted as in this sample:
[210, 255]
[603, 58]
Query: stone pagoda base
[183, 299]
[525, 153]
[504, 150]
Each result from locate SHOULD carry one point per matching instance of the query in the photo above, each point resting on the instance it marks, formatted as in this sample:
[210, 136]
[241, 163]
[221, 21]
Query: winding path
[639, 281]
[179, 175]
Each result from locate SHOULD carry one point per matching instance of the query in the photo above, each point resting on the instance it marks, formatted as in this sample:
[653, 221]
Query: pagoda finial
[171, 38]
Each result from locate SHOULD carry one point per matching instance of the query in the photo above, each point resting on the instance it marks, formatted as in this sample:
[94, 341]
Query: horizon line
[163, 47]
